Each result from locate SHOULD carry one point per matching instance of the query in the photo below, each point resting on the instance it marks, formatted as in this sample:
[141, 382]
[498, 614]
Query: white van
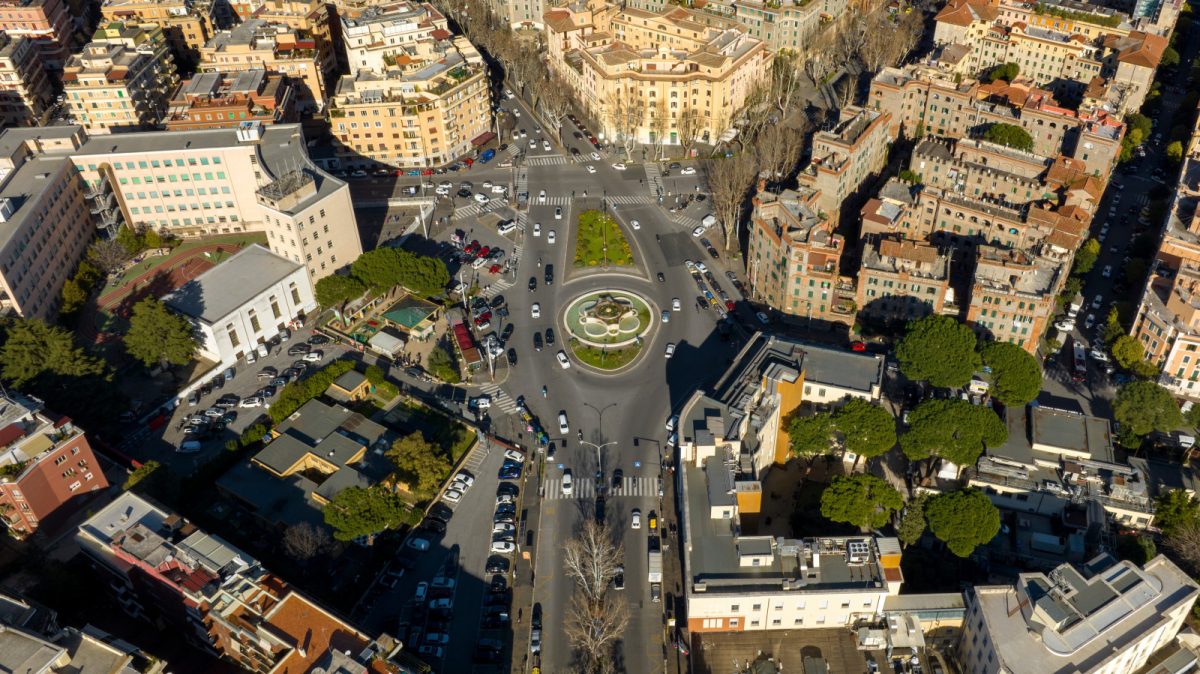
[709, 220]
[262, 351]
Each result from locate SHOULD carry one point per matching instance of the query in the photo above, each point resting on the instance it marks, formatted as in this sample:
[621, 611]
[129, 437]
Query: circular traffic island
[606, 328]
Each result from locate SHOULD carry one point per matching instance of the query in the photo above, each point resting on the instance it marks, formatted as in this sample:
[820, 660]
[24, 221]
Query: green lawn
[600, 242]
[605, 359]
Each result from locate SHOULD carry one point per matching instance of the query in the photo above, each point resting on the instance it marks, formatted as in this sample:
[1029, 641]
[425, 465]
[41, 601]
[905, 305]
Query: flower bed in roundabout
[606, 327]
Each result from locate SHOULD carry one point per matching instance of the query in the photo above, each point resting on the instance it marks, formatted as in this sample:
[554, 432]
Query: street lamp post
[599, 425]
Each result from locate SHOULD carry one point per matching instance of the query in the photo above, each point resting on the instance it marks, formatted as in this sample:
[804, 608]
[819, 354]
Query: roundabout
[607, 328]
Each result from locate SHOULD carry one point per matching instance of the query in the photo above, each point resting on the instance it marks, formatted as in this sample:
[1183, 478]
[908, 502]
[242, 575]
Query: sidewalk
[675, 601]
[523, 565]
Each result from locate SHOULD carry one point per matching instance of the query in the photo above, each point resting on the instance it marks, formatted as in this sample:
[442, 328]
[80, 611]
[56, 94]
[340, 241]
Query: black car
[497, 301]
[549, 274]
[499, 584]
[464, 193]
[497, 564]
[578, 136]
[674, 166]
[507, 488]
[298, 349]
[436, 526]
[661, 278]
[506, 333]
[575, 152]
[441, 511]
[504, 518]
[549, 336]
[532, 283]
[618, 476]
[265, 392]
[318, 340]
[537, 341]
[713, 253]
[219, 381]
[512, 357]
[205, 389]
[300, 366]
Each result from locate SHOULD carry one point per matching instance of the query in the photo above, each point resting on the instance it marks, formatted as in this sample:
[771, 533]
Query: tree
[130, 240]
[107, 254]
[422, 275]
[148, 479]
[1175, 152]
[1016, 375]
[1009, 135]
[1184, 543]
[304, 541]
[940, 350]
[729, 182]
[778, 148]
[1007, 72]
[954, 430]
[157, 335]
[1170, 58]
[594, 631]
[32, 349]
[810, 436]
[443, 365]
[1176, 510]
[335, 289]
[419, 463]
[386, 268]
[595, 621]
[73, 297]
[962, 520]
[1086, 256]
[865, 501]
[592, 560]
[1136, 548]
[867, 429]
[362, 511]
[912, 521]
[378, 269]
[1144, 406]
[1131, 355]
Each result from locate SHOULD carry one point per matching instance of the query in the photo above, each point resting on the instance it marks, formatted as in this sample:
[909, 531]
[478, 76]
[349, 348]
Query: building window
[275, 307]
[254, 322]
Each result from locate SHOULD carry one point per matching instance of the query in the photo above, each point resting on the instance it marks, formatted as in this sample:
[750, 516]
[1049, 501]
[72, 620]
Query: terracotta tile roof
[908, 249]
[1143, 49]
[440, 34]
[966, 12]
[312, 632]
[1065, 170]
[559, 21]
[1062, 240]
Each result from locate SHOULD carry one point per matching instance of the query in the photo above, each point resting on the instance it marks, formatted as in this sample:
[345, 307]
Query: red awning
[483, 139]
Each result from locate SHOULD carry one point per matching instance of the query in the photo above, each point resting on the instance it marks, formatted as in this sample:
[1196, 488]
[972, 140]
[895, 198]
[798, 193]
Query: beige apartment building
[923, 100]
[900, 280]
[311, 20]
[257, 44]
[187, 24]
[47, 22]
[429, 114]
[674, 76]
[793, 257]
[1014, 294]
[110, 87]
[214, 101]
[396, 35]
[845, 158]
[26, 91]
[520, 14]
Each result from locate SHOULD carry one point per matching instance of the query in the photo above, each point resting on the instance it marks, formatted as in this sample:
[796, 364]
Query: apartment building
[217, 100]
[187, 24]
[428, 113]
[845, 158]
[259, 45]
[1014, 293]
[925, 100]
[1168, 326]
[893, 212]
[26, 91]
[310, 19]
[1055, 460]
[48, 23]
[46, 222]
[1106, 617]
[794, 254]
[900, 280]
[396, 35]
[744, 573]
[45, 463]
[673, 76]
[520, 14]
[122, 81]
[214, 596]
[981, 169]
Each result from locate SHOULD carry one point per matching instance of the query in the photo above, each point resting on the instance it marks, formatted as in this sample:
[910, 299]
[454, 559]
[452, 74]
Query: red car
[398, 172]
[483, 252]
[471, 247]
[858, 346]
[427, 172]
[494, 269]
[729, 305]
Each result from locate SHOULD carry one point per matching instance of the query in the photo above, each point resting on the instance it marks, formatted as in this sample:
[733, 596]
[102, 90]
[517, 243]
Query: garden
[599, 242]
[606, 328]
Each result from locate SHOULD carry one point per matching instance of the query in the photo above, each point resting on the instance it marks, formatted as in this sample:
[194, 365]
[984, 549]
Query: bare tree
[592, 559]
[729, 182]
[785, 78]
[1185, 543]
[108, 255]
[304, 541]
[626, 116]
[688, 125]
[593, 629]
[778, 147]
[660, 123]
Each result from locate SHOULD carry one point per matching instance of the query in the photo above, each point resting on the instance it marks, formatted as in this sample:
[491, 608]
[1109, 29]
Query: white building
[1108, 617]
[244, 302]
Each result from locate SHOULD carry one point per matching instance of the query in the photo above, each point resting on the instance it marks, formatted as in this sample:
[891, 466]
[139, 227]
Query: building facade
[47, 22]
[26, 90]
[901, 280]
[45, 463]
[113, 88]
[187, 24]
[216, 101]
[1014, 294]
[845, 158]
[277, 48]
[381, 37]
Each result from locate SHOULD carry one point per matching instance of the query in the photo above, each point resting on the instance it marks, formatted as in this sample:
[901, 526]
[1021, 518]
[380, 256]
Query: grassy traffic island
[605, 358]
[599, 242]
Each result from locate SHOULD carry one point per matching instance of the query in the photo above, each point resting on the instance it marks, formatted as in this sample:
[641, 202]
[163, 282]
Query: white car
[701, 267]
[1107, 271]
[591, 169]
[252, 401]
[566, 483]
[688, 171]
[691, 266]
[465, 480]
[670, 349]
[537, 229]
[620, 166]
[635, 519]
[595, 156]
[487, 184]
[535, 310]
[533, 143]
[550, 236]
[499, 189]
[557, 213]
[481, 198]
[1065, 326]
[503, 547]
[313, 357]
[698, 231]
[504, 498]
[562, 423]
[509, 95]
[442, 191]
[1099, 355]
[635, 224]
[452, 495]
[674, 419]
[1097, 301]
[546, 145]
[503, 528]
[514, 455]
[542, 196]
[562, 360]
[676, 305]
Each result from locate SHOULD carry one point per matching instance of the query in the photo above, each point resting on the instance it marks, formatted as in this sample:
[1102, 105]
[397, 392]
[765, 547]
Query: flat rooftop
[220, 291]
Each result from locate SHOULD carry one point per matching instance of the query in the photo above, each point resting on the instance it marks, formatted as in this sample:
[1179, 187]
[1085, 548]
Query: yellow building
[257, 44]
[414, 115]
[26, 92]
[186, 24]
[674, 76]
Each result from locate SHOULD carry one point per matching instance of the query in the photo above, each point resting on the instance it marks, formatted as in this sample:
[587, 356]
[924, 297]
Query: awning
[483, 139]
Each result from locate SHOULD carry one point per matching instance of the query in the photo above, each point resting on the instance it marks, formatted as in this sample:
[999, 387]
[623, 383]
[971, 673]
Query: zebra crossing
[522, 180]
[685, 220]
[552, 201]
[475, 460]
[632, 200]
[500, 398]
[546, 160]
[475, 209]
[498, 286]
[512, 150]
[585, 487]
[654, 179]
